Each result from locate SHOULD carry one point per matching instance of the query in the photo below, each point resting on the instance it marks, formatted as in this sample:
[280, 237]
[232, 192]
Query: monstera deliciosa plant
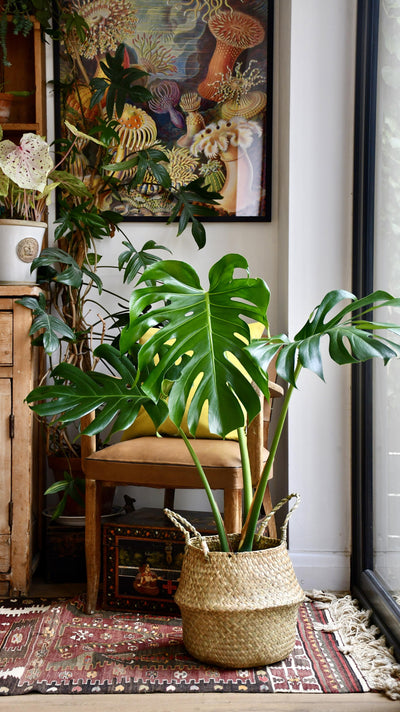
[199, 332]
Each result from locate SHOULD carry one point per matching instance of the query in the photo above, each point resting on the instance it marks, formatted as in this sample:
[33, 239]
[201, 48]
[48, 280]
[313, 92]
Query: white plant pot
[20, 242]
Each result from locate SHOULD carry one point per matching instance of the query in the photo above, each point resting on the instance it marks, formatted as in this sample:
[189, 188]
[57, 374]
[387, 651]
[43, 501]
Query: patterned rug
[54, 647]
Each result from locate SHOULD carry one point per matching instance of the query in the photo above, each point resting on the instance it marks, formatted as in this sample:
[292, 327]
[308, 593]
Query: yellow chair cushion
[144, 426]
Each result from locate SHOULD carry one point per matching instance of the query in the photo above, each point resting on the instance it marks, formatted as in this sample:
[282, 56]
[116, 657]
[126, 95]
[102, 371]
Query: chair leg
[232, 511]
[267, 502]
[169, 498]
[93, 542]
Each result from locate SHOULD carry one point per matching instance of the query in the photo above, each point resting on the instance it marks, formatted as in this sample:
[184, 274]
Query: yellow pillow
[144, 425]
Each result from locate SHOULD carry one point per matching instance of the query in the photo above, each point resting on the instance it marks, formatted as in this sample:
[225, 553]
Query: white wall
[302, 253]
[319, 259]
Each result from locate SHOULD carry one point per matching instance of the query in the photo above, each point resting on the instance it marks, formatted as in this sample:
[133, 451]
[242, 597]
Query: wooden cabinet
[27, 73]
[21, 463]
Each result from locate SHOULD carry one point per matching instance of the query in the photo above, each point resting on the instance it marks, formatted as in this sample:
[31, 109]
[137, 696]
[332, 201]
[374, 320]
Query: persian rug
[52, 646]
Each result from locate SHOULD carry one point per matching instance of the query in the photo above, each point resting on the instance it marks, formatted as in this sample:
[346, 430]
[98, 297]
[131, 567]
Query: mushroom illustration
[166, 96]
[190, 103]
[234, 31]
[229, 140]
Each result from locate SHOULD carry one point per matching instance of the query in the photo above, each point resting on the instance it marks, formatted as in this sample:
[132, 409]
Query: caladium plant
[204, 335]
[24, 172]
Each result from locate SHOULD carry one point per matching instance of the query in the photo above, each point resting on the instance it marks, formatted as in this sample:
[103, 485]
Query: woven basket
[238, 609]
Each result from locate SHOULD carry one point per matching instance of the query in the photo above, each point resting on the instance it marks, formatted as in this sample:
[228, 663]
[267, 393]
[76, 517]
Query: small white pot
[20, 242]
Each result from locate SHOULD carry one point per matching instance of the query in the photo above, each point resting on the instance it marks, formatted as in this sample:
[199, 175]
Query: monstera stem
[214, 507]
[250, 525]
[246, 471]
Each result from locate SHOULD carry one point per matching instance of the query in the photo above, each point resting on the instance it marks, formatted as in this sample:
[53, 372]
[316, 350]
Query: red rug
[53, 647]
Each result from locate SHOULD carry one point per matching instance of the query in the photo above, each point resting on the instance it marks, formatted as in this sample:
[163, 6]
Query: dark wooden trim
[366, 584]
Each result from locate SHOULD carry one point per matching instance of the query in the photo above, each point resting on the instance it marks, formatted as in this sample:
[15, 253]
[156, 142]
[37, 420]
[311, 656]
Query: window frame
[366, 585]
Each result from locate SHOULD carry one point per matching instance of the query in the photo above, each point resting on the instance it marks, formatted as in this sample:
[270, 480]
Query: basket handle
[183, 525]
[264, 522]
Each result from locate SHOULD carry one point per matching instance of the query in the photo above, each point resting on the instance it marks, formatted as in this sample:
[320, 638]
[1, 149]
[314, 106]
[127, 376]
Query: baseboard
[322, 570]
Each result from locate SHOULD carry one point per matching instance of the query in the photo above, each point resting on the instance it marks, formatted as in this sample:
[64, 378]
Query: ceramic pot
[20, 242]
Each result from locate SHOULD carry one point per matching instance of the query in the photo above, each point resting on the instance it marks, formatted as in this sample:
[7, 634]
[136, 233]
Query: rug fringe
[360, 639]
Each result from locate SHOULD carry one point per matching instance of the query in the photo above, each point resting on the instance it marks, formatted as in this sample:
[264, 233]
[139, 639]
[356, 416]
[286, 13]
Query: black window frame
[366, 585]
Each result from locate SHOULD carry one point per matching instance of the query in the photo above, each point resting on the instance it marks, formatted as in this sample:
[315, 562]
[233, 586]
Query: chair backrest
[258, 430]
[257, 435]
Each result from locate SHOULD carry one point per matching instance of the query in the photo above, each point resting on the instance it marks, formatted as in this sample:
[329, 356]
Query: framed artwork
[209, 70]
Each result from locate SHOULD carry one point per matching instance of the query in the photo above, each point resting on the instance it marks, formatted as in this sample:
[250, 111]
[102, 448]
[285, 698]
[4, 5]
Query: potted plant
[19, 14]
[199, 333]
[24, 196]
[70, 271]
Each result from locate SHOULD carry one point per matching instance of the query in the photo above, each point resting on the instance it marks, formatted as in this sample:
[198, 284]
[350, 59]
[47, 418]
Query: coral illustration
[109, 23]
[136, 131]
[190, 104]
[212, 174]
[152, 54]
[235, 91]
[166, 96]
[205, 8]
[181, 167]
[229, 140]
[234, 31]
[77, 107]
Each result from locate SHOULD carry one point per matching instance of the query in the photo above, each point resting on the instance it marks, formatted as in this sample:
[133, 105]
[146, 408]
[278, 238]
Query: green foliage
[207, 323]
[145, 161]
[120, 398]
[86, 218]
[350, 335]
[197, 331]
[54, 327]
[189, 206]
[70, 486]
[134, 261]
[118, 85]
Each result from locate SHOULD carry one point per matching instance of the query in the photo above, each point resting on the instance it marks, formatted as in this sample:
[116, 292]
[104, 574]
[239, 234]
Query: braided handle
[184, 526]
[264, 522]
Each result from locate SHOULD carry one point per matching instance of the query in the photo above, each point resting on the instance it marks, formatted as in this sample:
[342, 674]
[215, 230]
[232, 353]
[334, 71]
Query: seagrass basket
[238, 609]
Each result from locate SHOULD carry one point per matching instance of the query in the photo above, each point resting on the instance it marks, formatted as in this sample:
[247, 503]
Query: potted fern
[199, 333]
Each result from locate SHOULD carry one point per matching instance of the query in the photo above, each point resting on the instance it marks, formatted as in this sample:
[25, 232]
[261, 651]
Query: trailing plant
[20, 14]
[200, 331]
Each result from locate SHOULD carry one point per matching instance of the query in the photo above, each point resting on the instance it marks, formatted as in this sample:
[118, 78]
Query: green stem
[246, 471]
[214, 507]
[250, 525]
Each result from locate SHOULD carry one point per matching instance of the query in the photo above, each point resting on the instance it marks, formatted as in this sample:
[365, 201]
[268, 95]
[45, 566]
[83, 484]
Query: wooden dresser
[21, 469]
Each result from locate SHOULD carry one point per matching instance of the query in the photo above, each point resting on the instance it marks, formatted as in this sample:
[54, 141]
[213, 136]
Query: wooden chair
[165, 463]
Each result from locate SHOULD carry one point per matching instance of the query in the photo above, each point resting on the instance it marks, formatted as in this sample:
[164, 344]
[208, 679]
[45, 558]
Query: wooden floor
[202, 702]
[195, 702]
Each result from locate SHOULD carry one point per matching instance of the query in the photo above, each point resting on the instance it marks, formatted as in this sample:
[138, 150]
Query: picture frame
[210, 70]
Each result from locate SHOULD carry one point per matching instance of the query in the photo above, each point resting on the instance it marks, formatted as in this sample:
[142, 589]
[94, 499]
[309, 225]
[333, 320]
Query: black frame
[265, 202]
[366, 585]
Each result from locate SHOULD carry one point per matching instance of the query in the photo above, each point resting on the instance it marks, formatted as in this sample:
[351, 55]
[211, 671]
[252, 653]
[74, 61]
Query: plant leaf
[207, 325]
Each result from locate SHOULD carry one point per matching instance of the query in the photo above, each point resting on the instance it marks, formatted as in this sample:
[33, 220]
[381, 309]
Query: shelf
[20, 127]
[26, 73]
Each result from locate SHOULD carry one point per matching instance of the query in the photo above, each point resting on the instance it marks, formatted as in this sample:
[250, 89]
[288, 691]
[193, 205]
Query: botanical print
[209, 72]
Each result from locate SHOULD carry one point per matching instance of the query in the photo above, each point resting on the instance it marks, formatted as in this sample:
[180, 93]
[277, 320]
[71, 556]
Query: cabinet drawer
[6, 332]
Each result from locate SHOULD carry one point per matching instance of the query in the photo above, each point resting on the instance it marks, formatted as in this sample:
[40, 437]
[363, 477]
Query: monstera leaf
[206, 326]
[28, 164]
[77, 393]
[352, 337]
